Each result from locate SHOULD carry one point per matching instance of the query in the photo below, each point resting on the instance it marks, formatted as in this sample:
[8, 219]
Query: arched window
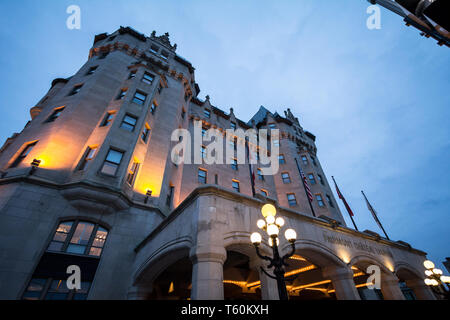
[74, 243]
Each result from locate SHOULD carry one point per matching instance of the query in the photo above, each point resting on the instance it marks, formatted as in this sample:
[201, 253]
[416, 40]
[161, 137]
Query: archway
[412, 283]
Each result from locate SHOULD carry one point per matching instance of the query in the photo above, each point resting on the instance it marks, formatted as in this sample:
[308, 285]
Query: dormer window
[164, 55]
[154, 49]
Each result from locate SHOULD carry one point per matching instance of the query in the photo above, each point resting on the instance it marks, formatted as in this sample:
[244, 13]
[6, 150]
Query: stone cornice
[227, 194]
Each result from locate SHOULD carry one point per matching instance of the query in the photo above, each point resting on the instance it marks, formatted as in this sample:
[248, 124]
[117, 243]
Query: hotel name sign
[356, 244]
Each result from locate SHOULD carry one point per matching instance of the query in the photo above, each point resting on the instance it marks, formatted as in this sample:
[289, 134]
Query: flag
[349, 210]
[305, 183]
[251, 167]
[375, 215]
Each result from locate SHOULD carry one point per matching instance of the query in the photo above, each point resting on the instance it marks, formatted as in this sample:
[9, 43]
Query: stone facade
[103, 137]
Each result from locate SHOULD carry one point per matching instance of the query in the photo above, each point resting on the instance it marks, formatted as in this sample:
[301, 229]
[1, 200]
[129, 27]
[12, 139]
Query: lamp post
[272, 226]
[435, 278]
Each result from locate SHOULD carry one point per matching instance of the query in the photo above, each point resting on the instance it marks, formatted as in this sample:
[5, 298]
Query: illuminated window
[75, 89]
[148, 78]
[88, 156]
[109, 117]
[26, 150]
[320, 200]
[291, 199]
[55, 114]
[145, 133]
[235, 185]
[139, 97]
[311, 178]
[133, 173]
[122, 94]
[78, 237]
[286, 178]
[202, 176]
[91, 70]
[112, 162]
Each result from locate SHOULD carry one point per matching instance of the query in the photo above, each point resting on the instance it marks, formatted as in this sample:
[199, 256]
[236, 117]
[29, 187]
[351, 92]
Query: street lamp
[272, 226]
[435, 278]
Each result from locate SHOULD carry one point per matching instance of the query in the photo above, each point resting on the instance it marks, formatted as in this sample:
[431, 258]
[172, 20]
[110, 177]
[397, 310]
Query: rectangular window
[133, 172]
[330, 202]
[148, 78]
[314, 161]
[311, 178]
[55, 114]
[234, 164]
[183, 113]
[321, 179]
[145, 133]
[153, 107]
[281, 159]
[291, 199]
[88, 156]
[80, 238]
[235, 185]
[129, 123]
[139, 97]
[154, 49]
[272, 126]
[75, 89]
[112, 162]
[170, 196]
[204, 131]
[233, 125]
[122, 94]
[109, 117]
[320, 201]
[286, 178]
[60, 236]
[207, 113]
[27, 149]
[203, 152]
[260, 175]
[305, 160]
[202, 176]
[276, 143]
[132, 74]
[91, 70]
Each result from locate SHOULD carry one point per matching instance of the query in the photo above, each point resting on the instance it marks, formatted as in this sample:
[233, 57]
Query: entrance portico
[211, 230]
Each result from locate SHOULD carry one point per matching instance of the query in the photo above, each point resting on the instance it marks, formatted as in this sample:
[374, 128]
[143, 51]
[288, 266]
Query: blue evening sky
[378, 101]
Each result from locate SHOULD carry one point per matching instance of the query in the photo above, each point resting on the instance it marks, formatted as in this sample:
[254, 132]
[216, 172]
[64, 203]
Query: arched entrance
[412, 283]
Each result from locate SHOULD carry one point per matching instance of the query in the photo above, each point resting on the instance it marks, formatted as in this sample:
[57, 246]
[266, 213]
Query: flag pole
[252, 174]
[304, 187]
[374, 214]
[350, 213]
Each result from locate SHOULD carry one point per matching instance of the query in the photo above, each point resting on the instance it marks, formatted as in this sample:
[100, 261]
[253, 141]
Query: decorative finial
[207, 97]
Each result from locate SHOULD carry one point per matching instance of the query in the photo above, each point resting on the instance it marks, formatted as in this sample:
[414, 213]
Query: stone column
[390, 288]
[269, 288]
[420, 289]
[342, 279]
[207, 274]
[139, 292]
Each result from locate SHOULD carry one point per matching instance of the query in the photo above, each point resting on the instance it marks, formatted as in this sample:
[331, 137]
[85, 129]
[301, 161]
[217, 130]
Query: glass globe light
[428, 282]
[270, 219]
[272, 230]
[279, 221]
[434, 282]
[437, 271]
[256, 238]
[428, 272]
[428, 264]
[290, 235]
[445, 279]
[271, 242]
[261, 223]
[268, 210]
